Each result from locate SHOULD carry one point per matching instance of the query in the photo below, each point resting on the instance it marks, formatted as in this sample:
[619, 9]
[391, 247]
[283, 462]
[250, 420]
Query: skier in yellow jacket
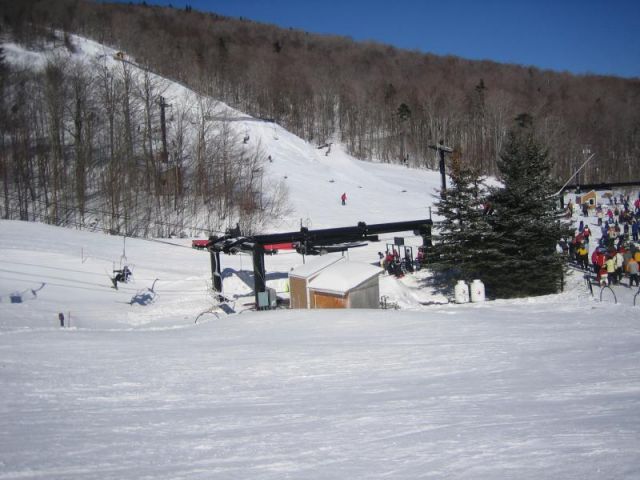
[611, 270]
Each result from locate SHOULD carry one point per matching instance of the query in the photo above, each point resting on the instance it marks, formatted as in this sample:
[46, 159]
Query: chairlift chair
[121, 276]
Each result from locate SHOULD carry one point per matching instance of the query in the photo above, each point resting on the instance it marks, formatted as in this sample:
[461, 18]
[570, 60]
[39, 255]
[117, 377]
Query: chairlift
[122, 275]
[396, 267]
[408, 260]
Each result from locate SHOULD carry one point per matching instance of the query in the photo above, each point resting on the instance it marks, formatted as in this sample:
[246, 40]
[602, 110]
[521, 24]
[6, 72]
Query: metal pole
[442, 171]
[442, 149]
[573, 175]
[216, 275]
[259, 272]
[163, 130]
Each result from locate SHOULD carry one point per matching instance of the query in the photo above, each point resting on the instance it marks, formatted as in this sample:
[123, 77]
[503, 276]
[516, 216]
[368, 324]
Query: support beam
[442, 149]
[341, 234]
[259, 272]
[216, 274]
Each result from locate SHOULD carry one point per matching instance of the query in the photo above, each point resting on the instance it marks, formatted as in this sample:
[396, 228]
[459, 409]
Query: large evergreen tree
[526, 225]
[459, 251]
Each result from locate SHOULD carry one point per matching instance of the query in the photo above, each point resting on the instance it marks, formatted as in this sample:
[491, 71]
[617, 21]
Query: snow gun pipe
[572, 176]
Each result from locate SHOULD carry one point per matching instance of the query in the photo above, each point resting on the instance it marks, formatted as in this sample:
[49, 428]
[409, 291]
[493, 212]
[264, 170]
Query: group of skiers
[611, 265]
[617, 252]
[394, 264]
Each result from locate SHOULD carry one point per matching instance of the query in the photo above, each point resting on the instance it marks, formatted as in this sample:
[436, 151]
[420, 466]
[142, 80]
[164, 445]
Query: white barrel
[477, 291]
[461, 291]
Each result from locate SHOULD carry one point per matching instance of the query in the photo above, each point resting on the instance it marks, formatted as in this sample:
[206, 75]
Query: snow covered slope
[538, 388]
[315, 178]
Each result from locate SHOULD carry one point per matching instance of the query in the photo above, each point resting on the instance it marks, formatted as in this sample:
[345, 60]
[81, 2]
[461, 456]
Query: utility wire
[106, 230]
[119, 215]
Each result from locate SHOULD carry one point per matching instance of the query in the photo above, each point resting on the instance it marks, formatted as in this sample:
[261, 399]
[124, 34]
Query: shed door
[324, 300]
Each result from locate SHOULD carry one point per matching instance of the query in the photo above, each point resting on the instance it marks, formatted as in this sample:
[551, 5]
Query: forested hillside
[382, 103]
[92, 140]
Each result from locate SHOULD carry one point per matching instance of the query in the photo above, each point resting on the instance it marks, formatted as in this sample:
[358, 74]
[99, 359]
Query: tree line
[383, 103]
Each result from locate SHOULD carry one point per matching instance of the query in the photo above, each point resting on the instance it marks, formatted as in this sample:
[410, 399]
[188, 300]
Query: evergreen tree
[526, 225]
[459, 250]
[404, 112]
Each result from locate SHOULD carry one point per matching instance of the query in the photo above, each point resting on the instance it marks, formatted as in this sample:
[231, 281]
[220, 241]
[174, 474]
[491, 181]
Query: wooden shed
[591, 199]
[300, 277]
[346, 285]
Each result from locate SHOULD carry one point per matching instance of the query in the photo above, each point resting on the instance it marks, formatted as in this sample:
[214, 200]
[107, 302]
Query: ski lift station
[356, 286]
[331, 281]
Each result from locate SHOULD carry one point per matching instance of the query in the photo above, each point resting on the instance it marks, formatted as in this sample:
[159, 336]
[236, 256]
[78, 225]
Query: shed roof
[316, 265]
[343, 277]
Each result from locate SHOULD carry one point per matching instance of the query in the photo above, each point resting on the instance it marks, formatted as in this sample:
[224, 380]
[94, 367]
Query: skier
[389, 263]
[343, 197]
[597, 259]
[582, 255]
[586, 233]
[602, 278]
[619, 260]
[570, 209]
[632, 270]
[610, 265]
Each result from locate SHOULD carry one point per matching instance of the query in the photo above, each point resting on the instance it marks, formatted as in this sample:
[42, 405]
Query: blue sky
[579, 36]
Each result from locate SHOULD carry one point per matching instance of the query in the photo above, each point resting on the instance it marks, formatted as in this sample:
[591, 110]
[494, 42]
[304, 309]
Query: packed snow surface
[133, 387]
[534, 388]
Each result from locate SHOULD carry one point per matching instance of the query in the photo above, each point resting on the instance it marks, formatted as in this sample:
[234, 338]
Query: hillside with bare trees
[383, 103]
[92, 140]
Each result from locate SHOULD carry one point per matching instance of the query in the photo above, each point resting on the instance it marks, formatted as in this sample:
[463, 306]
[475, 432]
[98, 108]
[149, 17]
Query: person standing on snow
[388, 262]
[597, 260]
[619, 259]
[632, 270]
[610, 265]
[344, 198]
[582, 256]
[586, 233]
